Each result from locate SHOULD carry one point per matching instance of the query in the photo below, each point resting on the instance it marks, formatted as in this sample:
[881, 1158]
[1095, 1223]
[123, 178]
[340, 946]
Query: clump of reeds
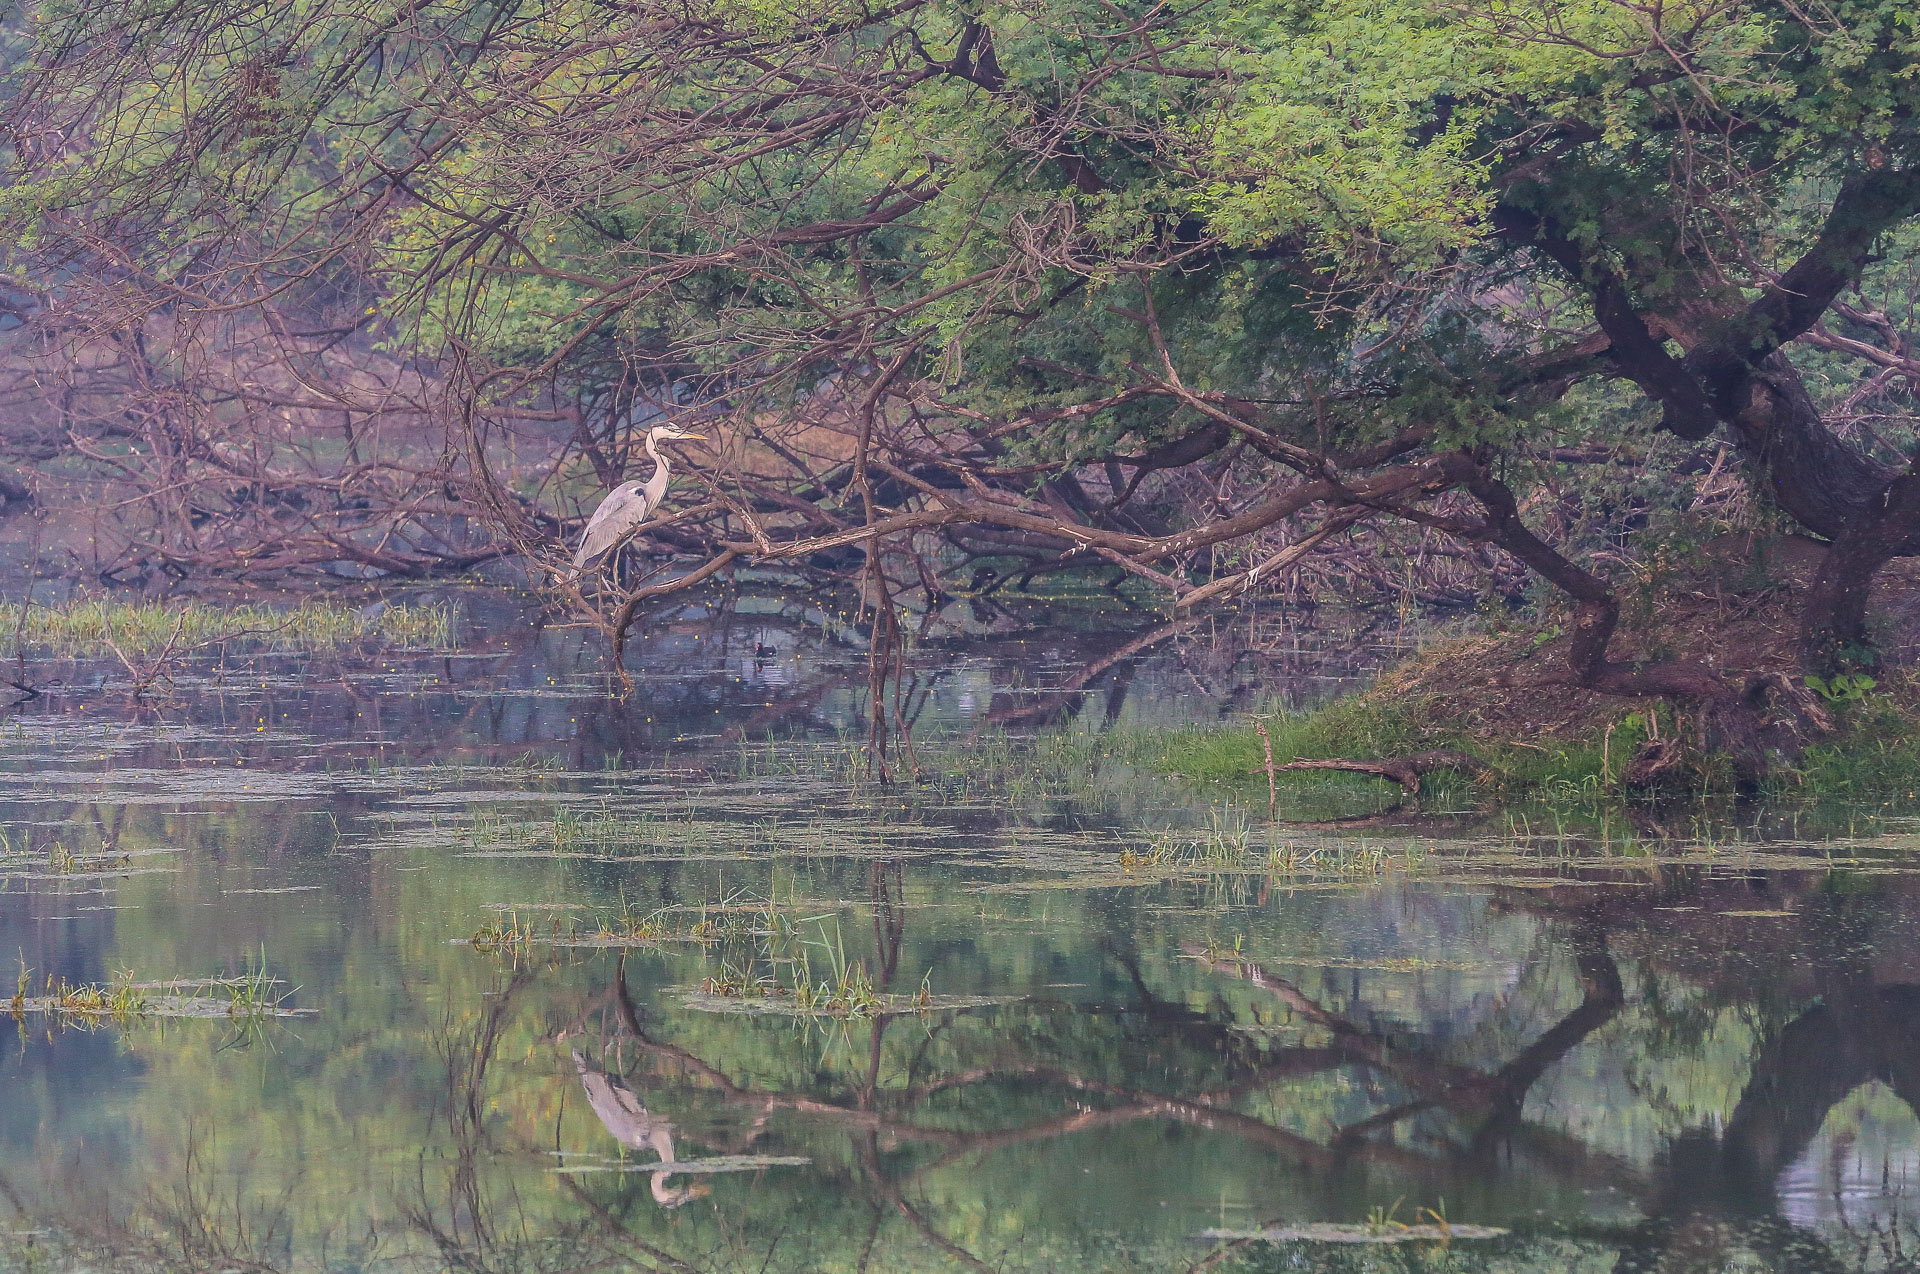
[507, 935]
[247, 1000]
[845, 991]
[785, 972]
[732, 918]
[119, 1000]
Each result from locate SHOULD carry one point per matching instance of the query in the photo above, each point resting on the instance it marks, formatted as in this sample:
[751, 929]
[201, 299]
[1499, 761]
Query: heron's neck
[657, 461]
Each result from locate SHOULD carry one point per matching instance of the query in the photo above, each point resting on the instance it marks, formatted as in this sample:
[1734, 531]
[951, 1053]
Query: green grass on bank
[1872, 754]
[92, 628]
[1873, 751]
[1369, 728]
[1876, 751]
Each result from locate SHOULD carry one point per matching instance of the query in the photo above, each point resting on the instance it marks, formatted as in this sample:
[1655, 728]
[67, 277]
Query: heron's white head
[673, 433]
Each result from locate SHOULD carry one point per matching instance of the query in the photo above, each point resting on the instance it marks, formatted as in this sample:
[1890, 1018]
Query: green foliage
[639, 194]
[1841, 687]
[1877, 752]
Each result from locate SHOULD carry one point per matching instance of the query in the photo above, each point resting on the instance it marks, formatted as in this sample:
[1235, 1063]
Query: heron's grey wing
[618, 514]
[618, 1109]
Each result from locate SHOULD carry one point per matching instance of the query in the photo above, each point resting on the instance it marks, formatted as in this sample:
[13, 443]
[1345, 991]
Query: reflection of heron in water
[634, 1126]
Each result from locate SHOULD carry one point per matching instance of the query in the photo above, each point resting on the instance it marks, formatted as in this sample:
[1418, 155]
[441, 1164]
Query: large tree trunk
[1833, 624]
[1819, 479]
[1728, 725]
[1734, 374]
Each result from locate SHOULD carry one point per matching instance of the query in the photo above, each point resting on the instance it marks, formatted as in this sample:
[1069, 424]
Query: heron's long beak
[692, 437]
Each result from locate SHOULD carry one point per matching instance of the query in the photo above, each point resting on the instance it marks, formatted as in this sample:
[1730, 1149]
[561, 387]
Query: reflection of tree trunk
[886, 885]
[1602, 998]
[1852, 1038]
[1704, 1241]
[1719, 1192]
[1497, 1099]
[1436, 1082]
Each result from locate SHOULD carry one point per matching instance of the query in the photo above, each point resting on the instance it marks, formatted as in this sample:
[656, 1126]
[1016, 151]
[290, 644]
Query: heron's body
[627, 505]
[634, 1126]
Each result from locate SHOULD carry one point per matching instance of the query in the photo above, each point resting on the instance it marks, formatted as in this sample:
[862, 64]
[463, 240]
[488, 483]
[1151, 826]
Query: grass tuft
[89, 628]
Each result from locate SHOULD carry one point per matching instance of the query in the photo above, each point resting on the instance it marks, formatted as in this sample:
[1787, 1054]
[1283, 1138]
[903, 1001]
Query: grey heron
[629, 504]
[633, 1126]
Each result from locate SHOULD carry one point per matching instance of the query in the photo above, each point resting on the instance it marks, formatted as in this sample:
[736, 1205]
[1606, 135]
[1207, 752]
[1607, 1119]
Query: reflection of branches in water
[465, 1059]
[1718, 1193]
[465, 1229]
[1886, 1246]
[1227, 663]
[891, 1193]
[617, 1230]
[193, 1224]
[1713, 1202]
[1710, 1200]
[1065, 699]
[216, 1233]
[874, 1115]
[1709, 1203]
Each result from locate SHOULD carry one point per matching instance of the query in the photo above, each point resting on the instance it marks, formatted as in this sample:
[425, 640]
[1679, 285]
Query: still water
[436, 962]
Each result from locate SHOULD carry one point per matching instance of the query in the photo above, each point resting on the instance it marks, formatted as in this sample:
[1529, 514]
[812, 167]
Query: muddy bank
[1732, 606]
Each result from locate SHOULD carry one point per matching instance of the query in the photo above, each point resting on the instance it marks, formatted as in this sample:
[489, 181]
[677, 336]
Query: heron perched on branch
[629, 504]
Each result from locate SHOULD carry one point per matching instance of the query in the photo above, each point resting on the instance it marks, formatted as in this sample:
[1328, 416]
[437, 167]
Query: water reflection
[1701, 1058]
[1153, 1085]
[618, 1108]
[1169, 1091]
[731, 664]
[635, 1127]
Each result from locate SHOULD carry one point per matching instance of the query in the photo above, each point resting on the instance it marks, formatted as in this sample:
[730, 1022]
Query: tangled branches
[1178, 297]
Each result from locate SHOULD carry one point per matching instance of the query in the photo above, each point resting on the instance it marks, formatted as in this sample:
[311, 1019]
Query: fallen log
[1407, 771]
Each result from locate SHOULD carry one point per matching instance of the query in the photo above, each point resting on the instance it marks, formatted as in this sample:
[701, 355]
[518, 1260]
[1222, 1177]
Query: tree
[966, 279]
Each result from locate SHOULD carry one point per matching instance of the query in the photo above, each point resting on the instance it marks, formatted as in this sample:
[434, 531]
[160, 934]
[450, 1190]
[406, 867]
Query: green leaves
[770, 194]
[1842, 687]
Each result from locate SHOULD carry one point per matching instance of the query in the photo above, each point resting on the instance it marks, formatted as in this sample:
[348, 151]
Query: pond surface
[429, 962]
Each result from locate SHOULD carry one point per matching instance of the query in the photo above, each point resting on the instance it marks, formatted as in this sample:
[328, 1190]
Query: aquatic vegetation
[1228, 841]
[120, 1000]
[630, 926]
[246, 1000]
[93, 628]
[1330, 1232]
[782, 976]
[570, 830]
[508, 935]
[1049, 956]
